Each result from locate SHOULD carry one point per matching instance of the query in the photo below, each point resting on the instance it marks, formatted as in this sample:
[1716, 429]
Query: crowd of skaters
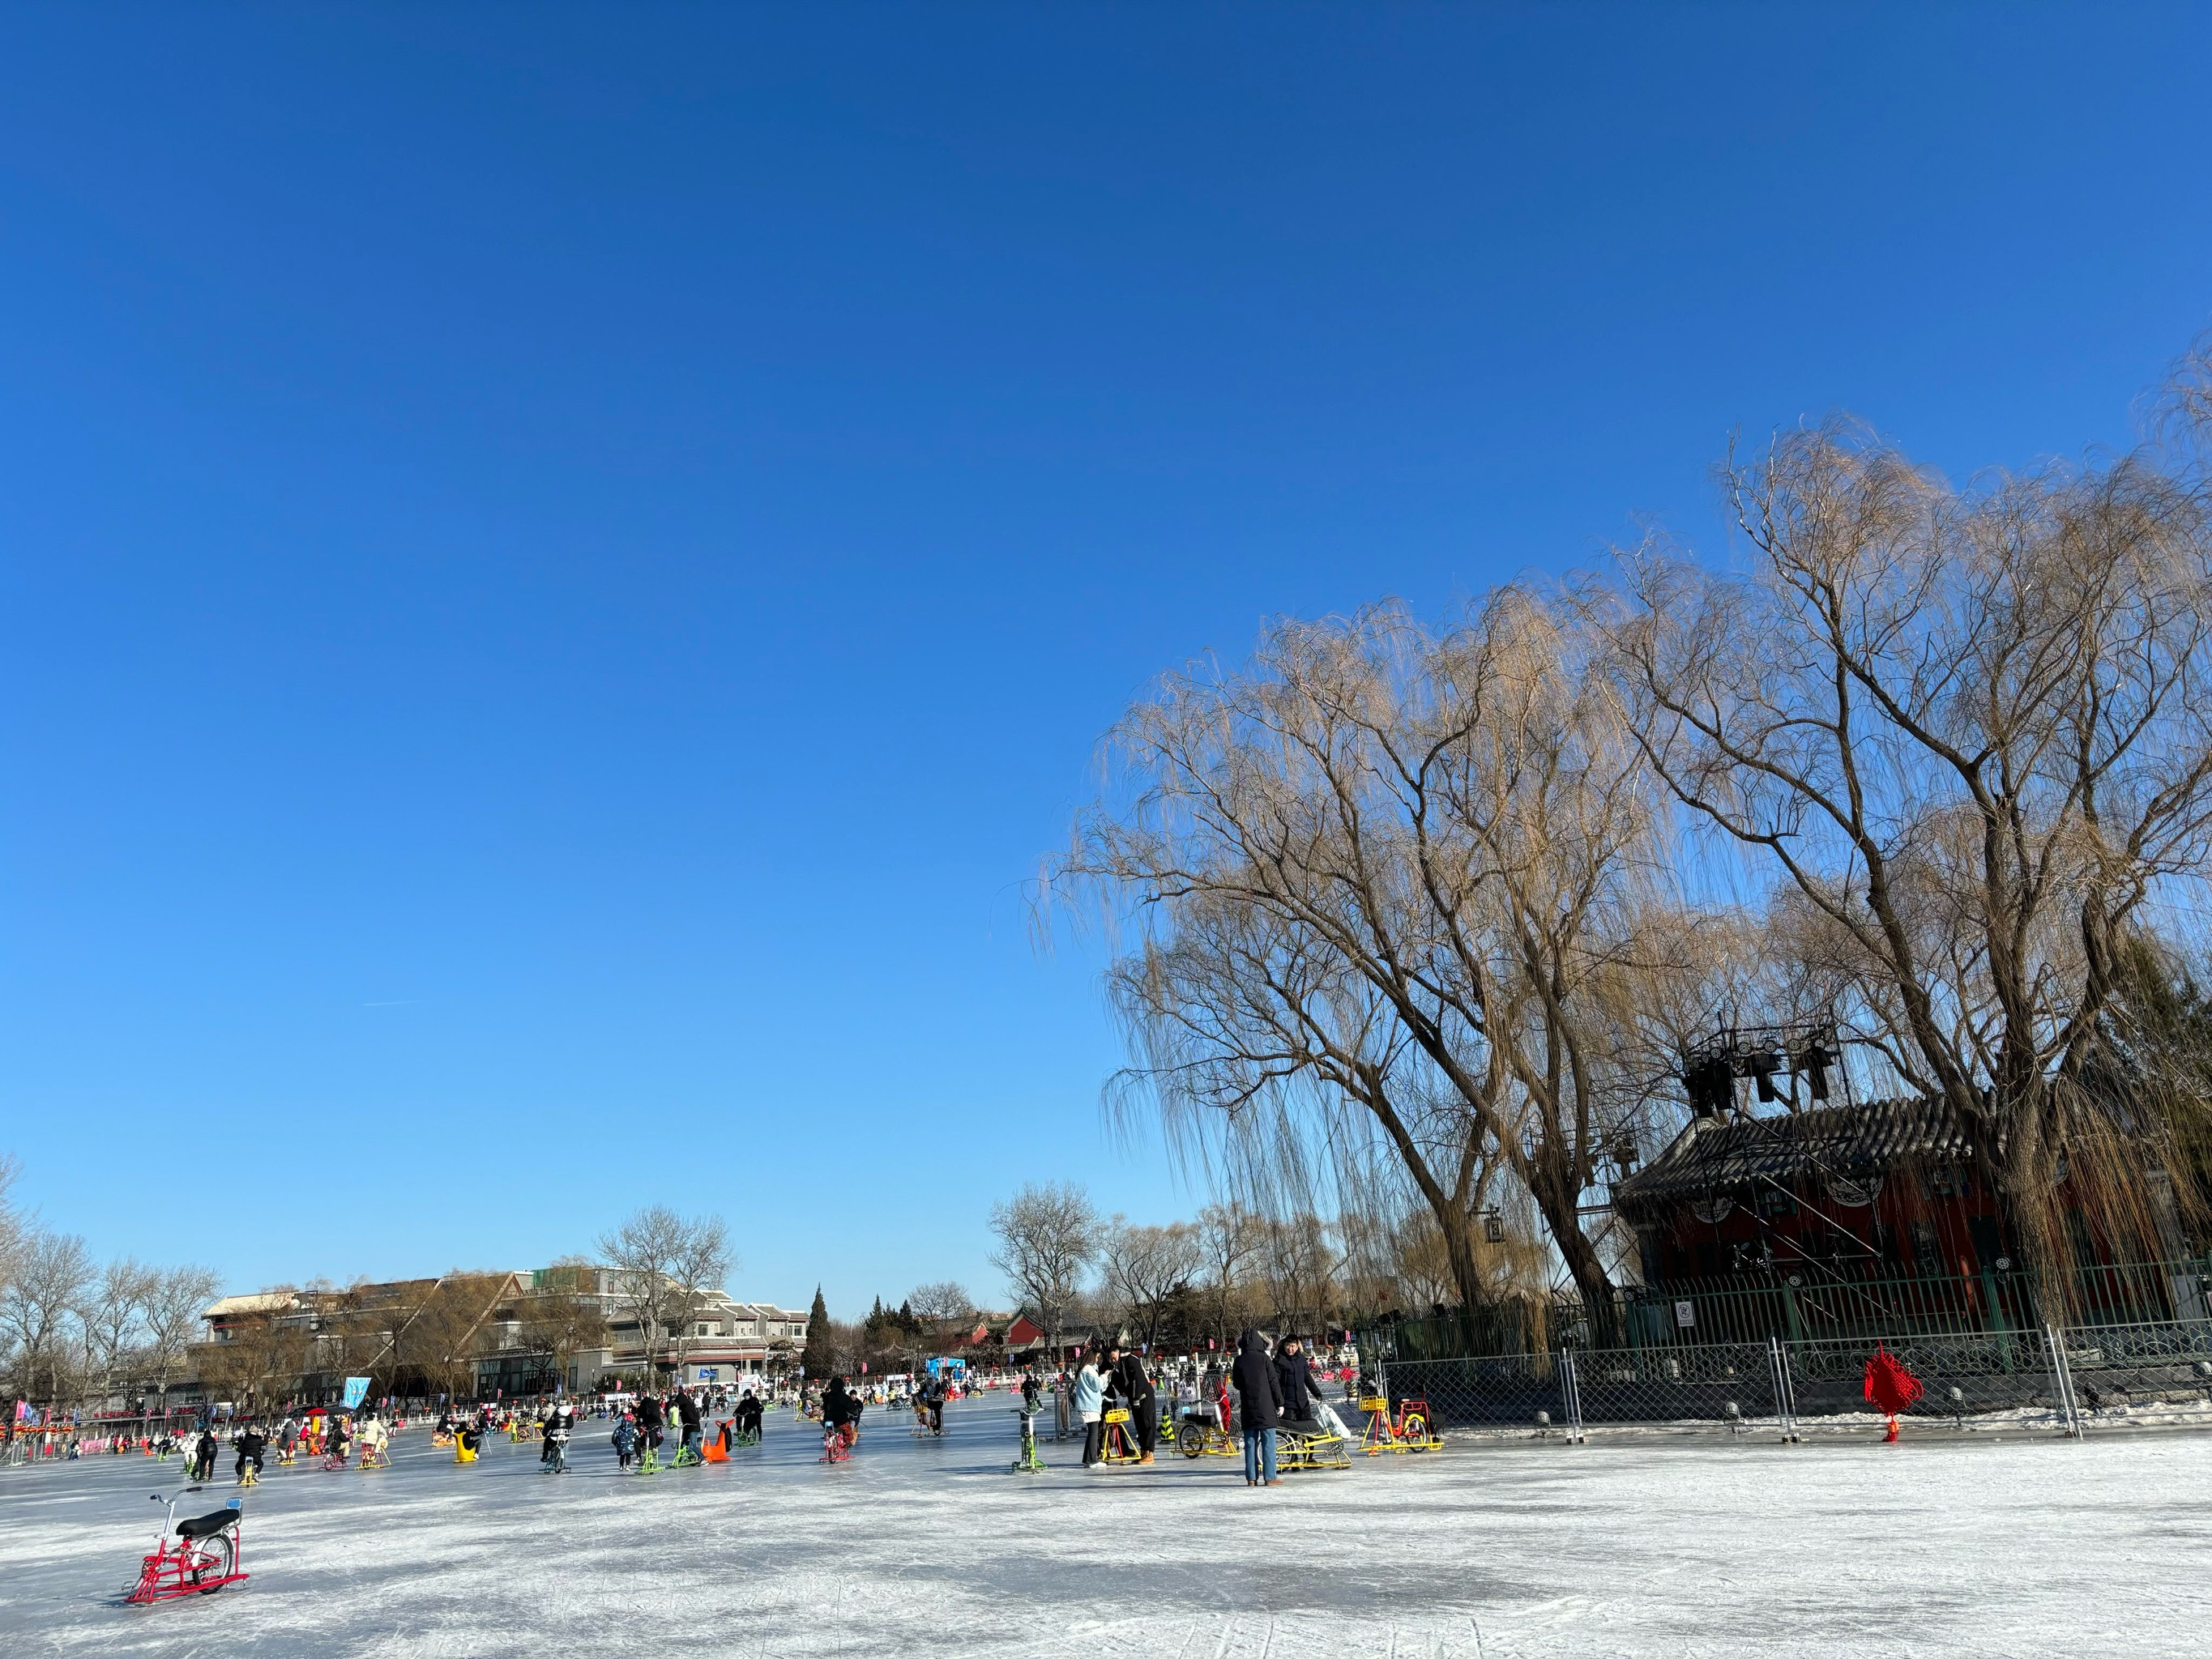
[1261, 1391]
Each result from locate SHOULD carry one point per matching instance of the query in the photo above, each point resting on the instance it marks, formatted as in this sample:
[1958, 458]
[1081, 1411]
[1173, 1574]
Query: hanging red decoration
[1890, 1388]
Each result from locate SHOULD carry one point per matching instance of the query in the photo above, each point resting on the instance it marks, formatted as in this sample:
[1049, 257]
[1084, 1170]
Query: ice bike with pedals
[556, 1461]
[193, 1557]
[1029, 1462]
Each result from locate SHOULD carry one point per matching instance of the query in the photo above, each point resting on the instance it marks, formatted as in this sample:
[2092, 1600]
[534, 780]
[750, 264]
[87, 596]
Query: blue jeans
[1259, 1453]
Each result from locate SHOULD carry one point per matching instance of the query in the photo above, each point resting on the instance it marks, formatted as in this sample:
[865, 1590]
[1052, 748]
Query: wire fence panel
[2039, 1375]
[1811, 1302]
[2169, 1364]
[1499, 1392]
[1963, 1375]
[1725, 1383]
[1720, 1382]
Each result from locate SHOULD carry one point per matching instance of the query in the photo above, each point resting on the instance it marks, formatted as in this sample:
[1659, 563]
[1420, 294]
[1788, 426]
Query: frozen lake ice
[1637, 1544]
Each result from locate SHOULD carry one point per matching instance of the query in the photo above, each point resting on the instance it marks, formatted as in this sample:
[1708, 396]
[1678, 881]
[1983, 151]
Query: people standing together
[1263, 1391]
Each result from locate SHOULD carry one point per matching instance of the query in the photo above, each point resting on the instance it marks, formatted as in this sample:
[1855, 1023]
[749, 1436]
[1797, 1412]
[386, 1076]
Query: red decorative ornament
[1890, 1388]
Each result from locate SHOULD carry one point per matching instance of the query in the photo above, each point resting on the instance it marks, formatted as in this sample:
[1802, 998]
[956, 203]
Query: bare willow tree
[1394, 903]
[1146, 1269]
[1970, 734]
[1047, 1237]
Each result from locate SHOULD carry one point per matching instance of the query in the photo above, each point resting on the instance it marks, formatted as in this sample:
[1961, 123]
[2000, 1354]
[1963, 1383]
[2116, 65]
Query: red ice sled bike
[199, 1559]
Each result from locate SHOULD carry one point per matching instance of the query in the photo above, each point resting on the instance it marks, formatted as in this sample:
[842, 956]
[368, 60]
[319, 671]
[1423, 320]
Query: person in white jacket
[1090, 1406]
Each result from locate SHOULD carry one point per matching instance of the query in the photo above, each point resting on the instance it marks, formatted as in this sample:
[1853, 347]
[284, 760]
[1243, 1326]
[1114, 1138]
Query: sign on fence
[1686, 1313]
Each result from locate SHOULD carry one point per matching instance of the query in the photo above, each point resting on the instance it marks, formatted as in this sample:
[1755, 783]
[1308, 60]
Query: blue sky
[560, 568]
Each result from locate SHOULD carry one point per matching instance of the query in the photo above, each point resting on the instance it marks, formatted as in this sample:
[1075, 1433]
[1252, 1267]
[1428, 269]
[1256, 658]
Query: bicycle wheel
[1190, 1440]
[217, 1560]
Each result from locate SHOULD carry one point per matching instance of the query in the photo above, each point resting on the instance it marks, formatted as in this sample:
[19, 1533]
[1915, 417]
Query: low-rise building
[573, 1326]
[719, 1340]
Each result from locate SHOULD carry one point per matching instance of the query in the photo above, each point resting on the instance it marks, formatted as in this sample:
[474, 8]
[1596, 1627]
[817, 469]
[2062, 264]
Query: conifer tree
[818, 1340]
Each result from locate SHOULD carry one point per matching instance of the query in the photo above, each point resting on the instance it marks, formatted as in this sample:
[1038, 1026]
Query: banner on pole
[357, 1390]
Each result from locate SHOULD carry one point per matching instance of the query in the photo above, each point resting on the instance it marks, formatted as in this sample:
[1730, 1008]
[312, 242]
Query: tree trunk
[1458, 1229]
[1584, 1264]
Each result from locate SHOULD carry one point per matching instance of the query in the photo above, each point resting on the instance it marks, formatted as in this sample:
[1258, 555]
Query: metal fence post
[2062, 1381]
[1785, 1394]
[1571, 1399]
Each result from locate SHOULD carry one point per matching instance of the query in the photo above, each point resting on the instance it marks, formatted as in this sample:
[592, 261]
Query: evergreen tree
[819, 1341]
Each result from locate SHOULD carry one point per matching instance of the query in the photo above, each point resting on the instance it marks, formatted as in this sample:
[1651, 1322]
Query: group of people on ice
[1272, 1391]
[332, 1436]
[641, 1429]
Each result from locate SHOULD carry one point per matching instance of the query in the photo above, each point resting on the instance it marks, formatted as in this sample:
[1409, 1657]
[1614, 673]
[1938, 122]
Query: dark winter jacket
[1259, 1388]
[688, 1409]
[1128, 1379]
[838, 1408]
[648, 1414]
[1295, 1371]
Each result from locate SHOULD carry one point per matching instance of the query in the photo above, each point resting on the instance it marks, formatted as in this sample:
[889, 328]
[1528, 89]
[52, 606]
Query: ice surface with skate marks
[1946, 1544]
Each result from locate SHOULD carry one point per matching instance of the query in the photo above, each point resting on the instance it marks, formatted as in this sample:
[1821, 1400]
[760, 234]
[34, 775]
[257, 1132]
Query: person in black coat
[687, 1412]
[1125, 1375]
[837, 1406]
[1295, 1371]
[1260, 1405]
[250, 1444]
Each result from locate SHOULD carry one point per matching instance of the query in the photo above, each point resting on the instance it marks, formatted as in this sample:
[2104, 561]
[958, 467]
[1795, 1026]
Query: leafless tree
[700, 1265]
[1229, 1239]
[113, 1317]
[940, 1307]
[39, 1309]
[1298, 1264]
[1397, 896]
[1048, 1235]
[662, 1262]
[1969, 733]
[11, 1221]
[943, 1299]
[1146, 1269]
[176, 1300]
[447, 1332]
[565, 1317]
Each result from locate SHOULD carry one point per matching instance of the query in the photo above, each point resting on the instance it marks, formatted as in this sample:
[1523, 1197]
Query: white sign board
[1685, 1312]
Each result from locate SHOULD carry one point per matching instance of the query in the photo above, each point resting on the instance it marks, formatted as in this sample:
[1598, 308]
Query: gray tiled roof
[1711, 1158]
